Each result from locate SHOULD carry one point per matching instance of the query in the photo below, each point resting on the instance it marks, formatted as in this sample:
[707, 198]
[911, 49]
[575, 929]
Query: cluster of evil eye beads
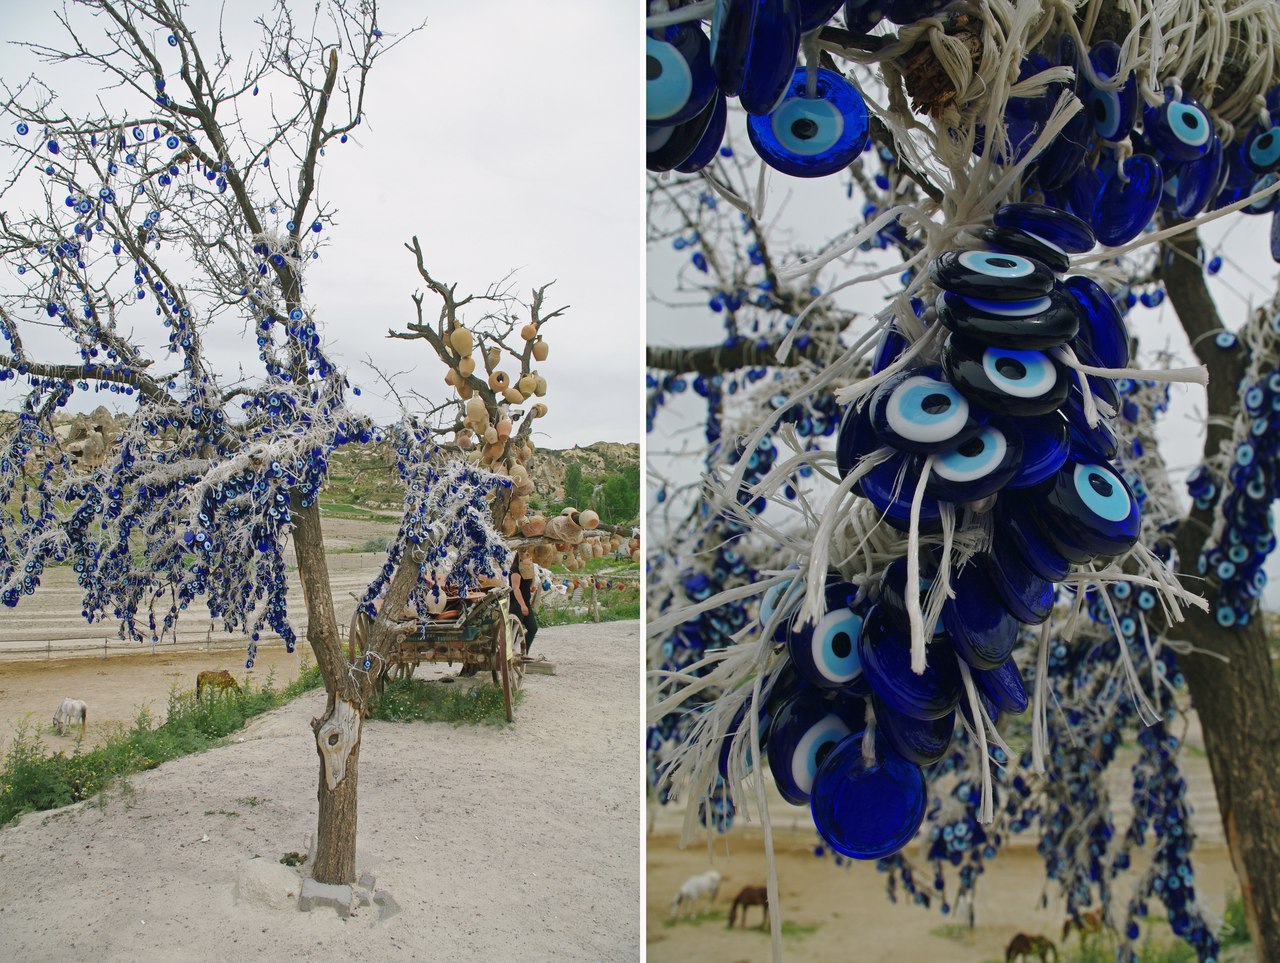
[803, 121]
[999, 426]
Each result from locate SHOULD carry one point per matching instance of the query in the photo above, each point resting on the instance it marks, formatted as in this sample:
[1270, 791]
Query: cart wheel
[516, 628]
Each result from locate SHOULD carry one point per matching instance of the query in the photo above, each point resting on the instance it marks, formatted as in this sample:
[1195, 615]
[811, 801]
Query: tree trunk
[1239, 709]
[335, 849]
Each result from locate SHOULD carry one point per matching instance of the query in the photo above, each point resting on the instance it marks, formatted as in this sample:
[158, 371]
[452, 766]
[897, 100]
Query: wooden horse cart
[477, 632]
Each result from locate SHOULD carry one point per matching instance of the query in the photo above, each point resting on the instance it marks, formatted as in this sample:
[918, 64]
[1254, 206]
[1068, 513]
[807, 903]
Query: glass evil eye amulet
[754, 44]
[867, 811]
[679, 82]
[812, 136]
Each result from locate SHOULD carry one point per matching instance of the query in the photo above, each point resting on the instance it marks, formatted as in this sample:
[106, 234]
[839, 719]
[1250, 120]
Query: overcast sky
[505, 135]
[813, 211]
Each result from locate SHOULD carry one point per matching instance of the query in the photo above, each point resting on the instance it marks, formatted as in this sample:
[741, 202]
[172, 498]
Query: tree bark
[335, 850]
[1233, 687]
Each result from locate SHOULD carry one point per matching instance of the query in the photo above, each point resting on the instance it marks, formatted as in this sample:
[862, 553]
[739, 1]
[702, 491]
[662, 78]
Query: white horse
[69, 713]
[694, 888]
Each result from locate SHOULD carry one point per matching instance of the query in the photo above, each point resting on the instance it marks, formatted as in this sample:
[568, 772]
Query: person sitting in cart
[524, 590]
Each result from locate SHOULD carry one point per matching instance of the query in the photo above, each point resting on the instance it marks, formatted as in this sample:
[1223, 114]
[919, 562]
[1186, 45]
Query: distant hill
[600, 459]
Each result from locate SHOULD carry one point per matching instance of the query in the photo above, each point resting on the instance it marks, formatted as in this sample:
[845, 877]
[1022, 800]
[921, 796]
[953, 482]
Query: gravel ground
[515, 843]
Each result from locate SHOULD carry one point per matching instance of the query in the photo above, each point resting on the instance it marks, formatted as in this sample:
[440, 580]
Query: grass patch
[32, 779]
[790, 929]
[955, 932]
[338, 508]
[1235, 930]
[1097, 949]
[614, 612]
[417, 700]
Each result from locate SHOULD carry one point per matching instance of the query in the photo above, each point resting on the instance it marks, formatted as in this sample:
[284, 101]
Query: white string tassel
[912, 592]
[986, 811]
[869, 738]
[1039, 705]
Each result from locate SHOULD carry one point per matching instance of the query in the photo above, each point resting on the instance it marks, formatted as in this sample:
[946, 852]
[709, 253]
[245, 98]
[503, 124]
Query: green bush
[32, 779]
[416, 700]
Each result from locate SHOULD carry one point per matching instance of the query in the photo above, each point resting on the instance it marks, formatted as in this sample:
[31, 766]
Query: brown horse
[211, 679]
[1022, 946]
[1086, 923]
[750, 896]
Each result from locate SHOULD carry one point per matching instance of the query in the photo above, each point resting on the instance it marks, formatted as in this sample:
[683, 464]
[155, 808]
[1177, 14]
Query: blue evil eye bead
[804, 732]
[1262, 149]
[891, 591]
[856, 439]
[812, 137]
[1003, 686]
[1126, 208]
[1045, 446]
[816, 13]
[1180, 129]
[868, 812]
[1089, 511]
[981, 629]
[1048, 225]
[739, 728]
[1066, 154]
[1197, 182]
[890, 486]
[1101, 326]
[1039, 323]
[1275, 236]
[991, 275]
[826, 654]
[1098, 440]
[1113, 111]
[919, 411]
[1263, 205]
[860, 16]
[916, 740]
[1009, 240]
[668, 147]
[885, 649]
[1015, 381]
[679, 81]
[888, 349]
[1103, 389]
[979, 466]
[1026, 596]
[1015, 521]
[782, 593]
[754, 44]
[709, 144]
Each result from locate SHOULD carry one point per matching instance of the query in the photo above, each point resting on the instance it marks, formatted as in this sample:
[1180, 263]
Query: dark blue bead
[1039, 323]
[1275, 236]
[668, 147]
[917, 740]
[991, 275]
[868, 812]
[1126, 208]
[1089, 511]
[1057, 227]
[709, 145]
[1197, 182]
[1101, 326]
[1099, 440]
[1066, 154]
[889, 348]
[1013, 241]
[981, 629]
[978, 466]
[1003, 686]
[754, 44]
[920, 411]
[861, 15]
[880, 485]
[805, 730]
[1045, 444]
[1011, 380]
[885, 650]
[1113, 111]
[826, 654]
[816, 13]
[891, 591]
[679, 81]
[1180, 129]
[856, 439]
[1015, 521]
[1027, 596]
[807, 137]
[1261, 149]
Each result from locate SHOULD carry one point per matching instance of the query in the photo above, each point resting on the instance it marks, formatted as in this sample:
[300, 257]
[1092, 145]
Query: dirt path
[516, 843]
[835, 914]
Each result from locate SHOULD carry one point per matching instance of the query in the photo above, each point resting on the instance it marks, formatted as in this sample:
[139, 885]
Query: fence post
[595, 599]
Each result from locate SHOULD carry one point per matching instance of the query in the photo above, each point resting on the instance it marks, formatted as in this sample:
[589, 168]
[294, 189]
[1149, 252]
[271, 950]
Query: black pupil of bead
[804, 128]
[824, 750]
[841, 645]
[1101, 484]
[936, 404]
[652, 68]
[1011, 368]
[973, 447]
[1100, 108]
[1191, 119]
[1265, 140]
[1002, 262]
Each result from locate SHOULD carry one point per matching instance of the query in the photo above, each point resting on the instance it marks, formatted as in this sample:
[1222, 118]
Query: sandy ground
[498, 844]
[840, 914]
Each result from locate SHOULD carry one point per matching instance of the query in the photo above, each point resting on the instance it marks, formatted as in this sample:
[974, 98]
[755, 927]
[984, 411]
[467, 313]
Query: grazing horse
[69, 713]
[750, 896]
[1022, 946]
[1091, 922]
[693, 889]
[220, 679]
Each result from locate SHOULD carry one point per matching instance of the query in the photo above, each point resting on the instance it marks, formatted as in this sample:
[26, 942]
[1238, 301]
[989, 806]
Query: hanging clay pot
[460, 340]
[589, 520]
[513, 396]
[541, 388]
[467, 367]
[526, 384]
[499, 381]
[529, 331]
[540, 350]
